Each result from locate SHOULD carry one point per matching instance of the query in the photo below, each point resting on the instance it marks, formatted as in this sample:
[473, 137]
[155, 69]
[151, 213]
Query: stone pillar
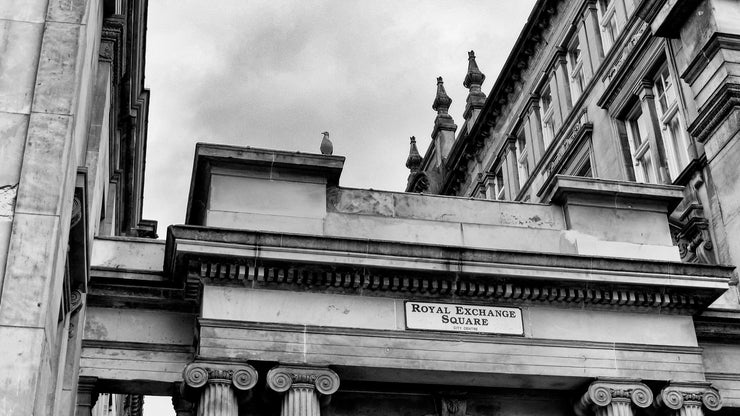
[657, 150]
[561, 73]
[302, 387]
[511, 168]
[689, 399]
[614, 398]
[86, 396]
[218, 386]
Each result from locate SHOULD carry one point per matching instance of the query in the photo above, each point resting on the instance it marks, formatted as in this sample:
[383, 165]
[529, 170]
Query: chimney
[443, 134]
[476, 98]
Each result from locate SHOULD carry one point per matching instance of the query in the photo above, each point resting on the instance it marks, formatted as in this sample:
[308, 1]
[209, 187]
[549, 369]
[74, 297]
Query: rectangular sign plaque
[464, 318]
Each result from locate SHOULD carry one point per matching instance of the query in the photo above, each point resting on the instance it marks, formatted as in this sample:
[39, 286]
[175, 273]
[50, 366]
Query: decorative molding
[312, 276]
[608, 397]
[689, 398]
[700, 62]
[283, 378]
[241, 377]
[715, 111]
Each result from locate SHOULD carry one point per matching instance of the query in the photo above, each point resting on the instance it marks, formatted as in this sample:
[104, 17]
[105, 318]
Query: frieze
[567, 144]
[626, 52]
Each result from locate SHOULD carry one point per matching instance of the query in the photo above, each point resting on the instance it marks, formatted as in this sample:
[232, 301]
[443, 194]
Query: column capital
[242, 377]
[282, 378]
[605, 392]
[676, 396]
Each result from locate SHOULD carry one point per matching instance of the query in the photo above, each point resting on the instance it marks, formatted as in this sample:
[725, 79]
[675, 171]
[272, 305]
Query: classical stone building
[568, 251]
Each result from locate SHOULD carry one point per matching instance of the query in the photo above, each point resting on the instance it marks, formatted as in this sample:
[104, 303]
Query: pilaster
[302, 387]
[216, 386]
[86, 396]
[689, 399]
[614, 398]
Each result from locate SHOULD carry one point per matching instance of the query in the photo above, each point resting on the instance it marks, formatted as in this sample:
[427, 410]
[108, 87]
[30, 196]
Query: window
[575, 69]
[608, 22]
[672, 131]
[638, 129]
[548, 124]
[498, 185]
[521, 157]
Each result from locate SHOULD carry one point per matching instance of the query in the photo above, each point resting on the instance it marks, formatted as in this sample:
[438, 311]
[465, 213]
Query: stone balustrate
[614, 398]
[689, 399]
[218, 386]
[301, 387]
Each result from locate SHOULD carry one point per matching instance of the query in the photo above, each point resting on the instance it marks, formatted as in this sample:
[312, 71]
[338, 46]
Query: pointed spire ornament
[327, 148]
[442, 101]
[413, 162]
[474, 78]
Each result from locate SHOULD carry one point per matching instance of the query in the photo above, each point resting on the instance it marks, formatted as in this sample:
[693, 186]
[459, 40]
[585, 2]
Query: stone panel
[19, 43]
[59, 66]
[128, 253]
[23, 10]
[45, 165]
[139, 326]
[26, 288]
[19, 374]
[125, 364]
[69, 11]
[13, 129]
[242, 304]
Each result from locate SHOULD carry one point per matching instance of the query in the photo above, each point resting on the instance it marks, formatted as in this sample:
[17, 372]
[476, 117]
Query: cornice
[351, 266]
[715, 111]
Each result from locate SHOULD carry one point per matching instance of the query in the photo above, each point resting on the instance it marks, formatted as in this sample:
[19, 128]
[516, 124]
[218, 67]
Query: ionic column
[614, 398]
[302, 387]
[218, 386]
[689, 399]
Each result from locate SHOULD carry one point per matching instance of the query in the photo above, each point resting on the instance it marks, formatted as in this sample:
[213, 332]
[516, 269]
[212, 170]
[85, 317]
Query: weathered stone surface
[13, 130]
[459, 359]
[139, 326]
[19, 376]
[23, 10]
[128, 253]
[69, 11]
[242, 304]
[46, 165]
[20, 42]
[59, 68]
[26, 289]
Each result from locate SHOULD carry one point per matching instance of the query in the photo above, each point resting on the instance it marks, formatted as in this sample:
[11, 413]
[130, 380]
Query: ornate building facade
[568, 249]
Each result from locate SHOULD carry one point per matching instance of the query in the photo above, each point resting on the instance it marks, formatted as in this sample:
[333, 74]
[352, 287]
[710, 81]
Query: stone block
[59, 66]
[31, 257]
[317, 309]
[70, 11]
[138, 326]
[23, 10]
[269, 197]
[21, 45]
[13, 129]
[128, 253]
[45, 165]
[607, 326]
[20, 370]
[381, 228]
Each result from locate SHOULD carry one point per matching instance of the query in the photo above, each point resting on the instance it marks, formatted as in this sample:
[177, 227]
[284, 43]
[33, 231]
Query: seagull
[326, 147]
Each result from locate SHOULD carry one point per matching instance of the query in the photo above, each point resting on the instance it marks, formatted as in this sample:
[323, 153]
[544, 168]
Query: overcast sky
[276, 73]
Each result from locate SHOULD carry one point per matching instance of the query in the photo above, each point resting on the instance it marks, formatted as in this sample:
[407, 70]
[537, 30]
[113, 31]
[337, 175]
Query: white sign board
[464, 318]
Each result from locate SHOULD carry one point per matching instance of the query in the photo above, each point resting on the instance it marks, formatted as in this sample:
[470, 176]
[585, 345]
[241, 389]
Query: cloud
[277, 73]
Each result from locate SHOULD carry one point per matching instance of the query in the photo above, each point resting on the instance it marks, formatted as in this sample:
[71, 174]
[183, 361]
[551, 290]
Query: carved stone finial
[689, 399]
[327, 148]
[442, 101]
[474, 77]
[282, 378]
[413, 162]
[606, 397]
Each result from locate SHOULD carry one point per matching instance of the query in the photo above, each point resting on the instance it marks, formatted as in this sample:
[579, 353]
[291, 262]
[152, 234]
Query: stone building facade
[568, 251]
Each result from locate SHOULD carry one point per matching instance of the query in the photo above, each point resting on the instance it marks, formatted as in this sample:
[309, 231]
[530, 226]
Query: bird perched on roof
[327, 147]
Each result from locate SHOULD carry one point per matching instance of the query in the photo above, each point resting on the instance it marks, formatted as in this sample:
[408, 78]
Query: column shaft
[301, 400]
[218, 399]
[616, 408]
